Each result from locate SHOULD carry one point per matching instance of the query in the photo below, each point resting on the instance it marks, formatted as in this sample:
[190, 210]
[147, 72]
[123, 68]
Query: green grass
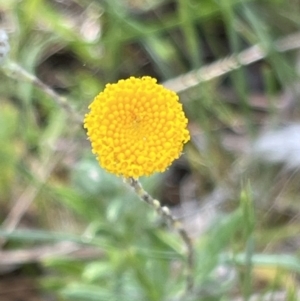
[249, 245]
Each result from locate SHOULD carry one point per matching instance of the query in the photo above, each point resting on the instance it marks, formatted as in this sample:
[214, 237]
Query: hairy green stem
[173, 222]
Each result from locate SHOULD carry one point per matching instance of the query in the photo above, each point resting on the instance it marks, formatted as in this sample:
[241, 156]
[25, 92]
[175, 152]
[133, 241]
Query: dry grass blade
[22, 204]
[273, 296]
[39, 253]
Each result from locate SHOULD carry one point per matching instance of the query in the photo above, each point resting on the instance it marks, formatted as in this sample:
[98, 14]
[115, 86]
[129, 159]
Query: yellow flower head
[136, 127]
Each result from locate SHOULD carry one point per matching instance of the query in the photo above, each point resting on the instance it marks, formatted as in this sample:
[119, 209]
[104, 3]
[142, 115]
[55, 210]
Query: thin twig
[227, 64]
[13, 70]
[165, 213]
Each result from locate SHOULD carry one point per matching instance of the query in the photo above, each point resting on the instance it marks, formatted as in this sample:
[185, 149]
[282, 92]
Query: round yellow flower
[136, 127]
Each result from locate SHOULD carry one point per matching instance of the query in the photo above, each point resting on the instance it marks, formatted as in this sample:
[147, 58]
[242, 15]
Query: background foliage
[79, 232]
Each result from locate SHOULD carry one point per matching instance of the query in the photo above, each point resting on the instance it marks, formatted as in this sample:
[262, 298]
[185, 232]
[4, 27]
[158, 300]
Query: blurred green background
[71, 231]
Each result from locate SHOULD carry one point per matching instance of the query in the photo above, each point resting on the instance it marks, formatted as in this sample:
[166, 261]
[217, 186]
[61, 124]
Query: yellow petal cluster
[136, 127]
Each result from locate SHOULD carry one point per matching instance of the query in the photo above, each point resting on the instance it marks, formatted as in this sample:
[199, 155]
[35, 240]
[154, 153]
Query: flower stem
[166, 214]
